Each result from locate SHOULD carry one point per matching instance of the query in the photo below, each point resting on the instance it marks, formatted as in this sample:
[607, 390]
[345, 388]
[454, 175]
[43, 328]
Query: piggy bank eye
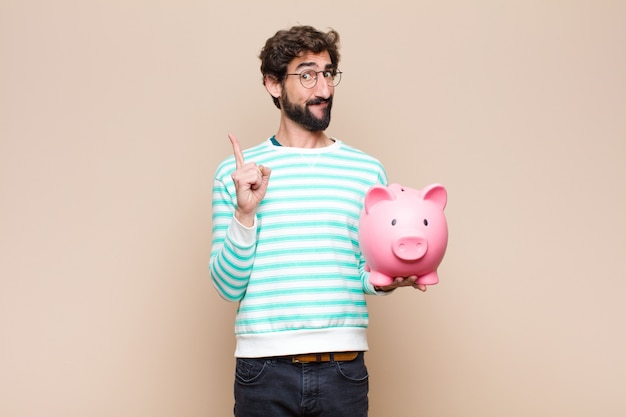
[393, 222]
[425, 222]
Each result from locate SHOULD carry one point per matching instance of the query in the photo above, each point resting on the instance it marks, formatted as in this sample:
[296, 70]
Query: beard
[304, 117]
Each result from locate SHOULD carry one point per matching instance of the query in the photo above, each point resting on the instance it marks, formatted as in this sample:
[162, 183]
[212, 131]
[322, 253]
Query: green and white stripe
[300, 280]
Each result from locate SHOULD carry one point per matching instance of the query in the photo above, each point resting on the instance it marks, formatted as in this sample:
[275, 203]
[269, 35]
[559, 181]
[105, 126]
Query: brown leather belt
[325, 357]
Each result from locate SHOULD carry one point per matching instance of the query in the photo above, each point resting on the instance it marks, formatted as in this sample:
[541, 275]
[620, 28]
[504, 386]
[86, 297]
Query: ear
[437, 194]
[273, 86]
[375, 195]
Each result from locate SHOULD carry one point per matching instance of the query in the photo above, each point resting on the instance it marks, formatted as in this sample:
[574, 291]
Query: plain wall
[115, 114]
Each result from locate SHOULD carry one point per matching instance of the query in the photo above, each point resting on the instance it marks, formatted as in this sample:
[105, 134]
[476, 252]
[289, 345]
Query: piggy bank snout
[410, 247]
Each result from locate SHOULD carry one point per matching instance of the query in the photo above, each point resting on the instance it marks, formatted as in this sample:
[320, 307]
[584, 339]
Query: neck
[296, 137]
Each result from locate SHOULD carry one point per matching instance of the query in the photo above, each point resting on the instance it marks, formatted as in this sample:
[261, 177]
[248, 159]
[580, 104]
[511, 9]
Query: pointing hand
[251, 182]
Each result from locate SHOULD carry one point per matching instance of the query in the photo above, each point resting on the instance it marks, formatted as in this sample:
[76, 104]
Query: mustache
[317, 101]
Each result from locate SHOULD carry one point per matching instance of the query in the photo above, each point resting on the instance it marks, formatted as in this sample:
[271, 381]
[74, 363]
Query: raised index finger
[236, 150]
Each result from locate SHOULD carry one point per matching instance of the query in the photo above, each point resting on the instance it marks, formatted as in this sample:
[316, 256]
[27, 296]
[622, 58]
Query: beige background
[114, 115]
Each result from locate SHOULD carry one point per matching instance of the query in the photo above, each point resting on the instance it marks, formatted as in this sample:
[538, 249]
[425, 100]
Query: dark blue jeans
[276, 387]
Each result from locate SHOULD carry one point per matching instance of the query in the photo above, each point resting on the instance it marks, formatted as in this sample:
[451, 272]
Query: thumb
[265, 171]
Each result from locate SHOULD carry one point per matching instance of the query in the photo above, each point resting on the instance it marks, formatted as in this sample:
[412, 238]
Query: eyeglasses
[308, 78]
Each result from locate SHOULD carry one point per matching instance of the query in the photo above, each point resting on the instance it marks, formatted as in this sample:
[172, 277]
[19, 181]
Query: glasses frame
[330, 84]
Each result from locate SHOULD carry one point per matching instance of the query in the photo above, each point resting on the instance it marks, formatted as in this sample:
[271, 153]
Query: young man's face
[309, 107]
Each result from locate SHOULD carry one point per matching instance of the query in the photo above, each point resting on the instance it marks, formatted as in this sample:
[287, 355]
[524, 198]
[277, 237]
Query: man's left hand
[410, 281]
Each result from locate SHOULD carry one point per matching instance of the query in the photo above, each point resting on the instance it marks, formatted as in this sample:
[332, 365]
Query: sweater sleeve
[368, 288]
[233, 246]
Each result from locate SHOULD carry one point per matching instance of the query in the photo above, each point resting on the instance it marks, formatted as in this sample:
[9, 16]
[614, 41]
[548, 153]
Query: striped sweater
[297, 274]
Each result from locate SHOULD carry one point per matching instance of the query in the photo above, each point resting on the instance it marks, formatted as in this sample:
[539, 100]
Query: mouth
[318, 102]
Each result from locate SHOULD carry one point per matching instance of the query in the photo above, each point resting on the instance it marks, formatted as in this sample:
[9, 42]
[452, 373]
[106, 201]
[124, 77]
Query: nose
[410, 248]
[322, 88]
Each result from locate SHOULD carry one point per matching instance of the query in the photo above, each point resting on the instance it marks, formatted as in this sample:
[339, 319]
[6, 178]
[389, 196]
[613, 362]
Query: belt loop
[332, 357]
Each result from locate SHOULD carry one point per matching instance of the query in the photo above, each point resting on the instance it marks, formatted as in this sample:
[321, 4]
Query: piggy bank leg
[428, 279]
[379, 279]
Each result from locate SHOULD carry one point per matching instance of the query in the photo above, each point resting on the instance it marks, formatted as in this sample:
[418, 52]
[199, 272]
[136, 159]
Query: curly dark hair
[285, 45]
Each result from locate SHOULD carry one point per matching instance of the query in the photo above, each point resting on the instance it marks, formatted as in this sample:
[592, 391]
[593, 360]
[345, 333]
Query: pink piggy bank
[403, 232]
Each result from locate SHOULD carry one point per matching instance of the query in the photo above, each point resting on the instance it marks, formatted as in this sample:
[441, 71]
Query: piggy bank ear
[375, 195]
[437, 194]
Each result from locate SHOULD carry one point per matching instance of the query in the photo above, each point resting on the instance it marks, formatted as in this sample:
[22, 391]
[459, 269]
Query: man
[285, 247]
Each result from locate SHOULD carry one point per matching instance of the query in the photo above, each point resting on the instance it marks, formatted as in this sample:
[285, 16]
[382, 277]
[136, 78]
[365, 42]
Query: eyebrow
[312, 64]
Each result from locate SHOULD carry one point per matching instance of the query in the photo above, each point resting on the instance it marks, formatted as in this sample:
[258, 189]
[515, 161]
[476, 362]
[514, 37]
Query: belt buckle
[306, 358]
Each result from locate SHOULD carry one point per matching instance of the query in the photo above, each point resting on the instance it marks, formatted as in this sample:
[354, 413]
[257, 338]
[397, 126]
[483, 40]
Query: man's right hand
[250, 184]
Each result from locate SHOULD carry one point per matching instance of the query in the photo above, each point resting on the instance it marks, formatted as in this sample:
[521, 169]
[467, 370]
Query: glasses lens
[331, 77]
[308, 78]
